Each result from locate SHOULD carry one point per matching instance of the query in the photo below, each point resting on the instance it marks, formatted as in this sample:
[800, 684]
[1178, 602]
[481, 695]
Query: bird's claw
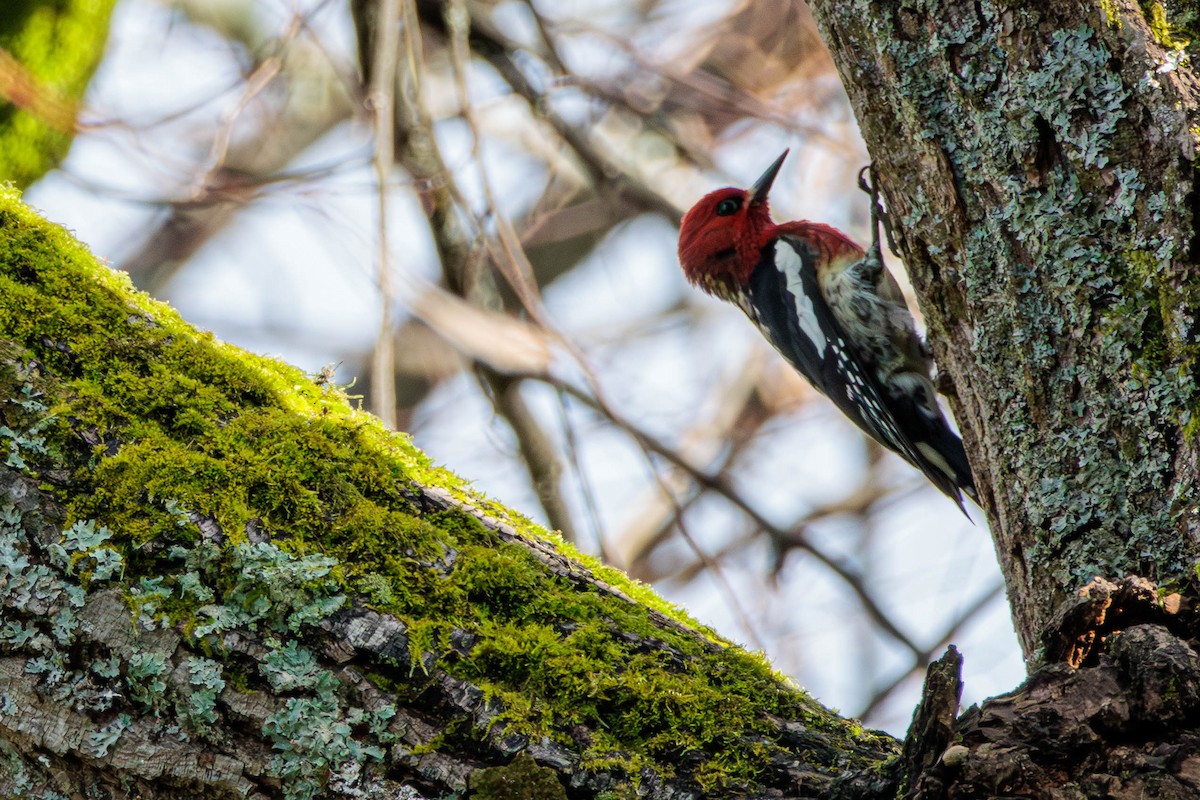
[862, 181]
[879, 218]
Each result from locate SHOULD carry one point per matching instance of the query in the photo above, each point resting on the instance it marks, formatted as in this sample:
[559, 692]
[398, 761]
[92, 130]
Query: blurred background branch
[511, 278]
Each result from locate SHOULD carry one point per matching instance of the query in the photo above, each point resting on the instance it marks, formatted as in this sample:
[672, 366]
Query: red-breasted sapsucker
[835, 313]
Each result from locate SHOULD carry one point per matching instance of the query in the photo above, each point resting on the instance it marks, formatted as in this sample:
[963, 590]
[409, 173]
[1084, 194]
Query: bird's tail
[944, 462]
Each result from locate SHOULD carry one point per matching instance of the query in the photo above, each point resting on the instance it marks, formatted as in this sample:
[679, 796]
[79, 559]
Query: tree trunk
[1038, 161]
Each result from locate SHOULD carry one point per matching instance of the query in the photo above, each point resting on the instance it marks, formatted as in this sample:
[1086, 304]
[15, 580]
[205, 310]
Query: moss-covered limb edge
[252, 521]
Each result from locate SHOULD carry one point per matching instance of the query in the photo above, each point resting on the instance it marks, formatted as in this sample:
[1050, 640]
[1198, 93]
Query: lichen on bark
[1039, 164]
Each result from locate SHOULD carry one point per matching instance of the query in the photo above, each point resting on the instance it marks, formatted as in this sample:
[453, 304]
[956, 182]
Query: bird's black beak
[762, 186]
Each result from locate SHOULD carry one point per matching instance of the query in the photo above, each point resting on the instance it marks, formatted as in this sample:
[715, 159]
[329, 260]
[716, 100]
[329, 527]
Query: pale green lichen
[147, 679]
[314, 736]
[25, 780]
[207, 683]
[100, 741]
[29, 441]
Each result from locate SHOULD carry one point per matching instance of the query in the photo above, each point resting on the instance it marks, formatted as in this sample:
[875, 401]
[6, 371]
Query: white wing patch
[788, 261]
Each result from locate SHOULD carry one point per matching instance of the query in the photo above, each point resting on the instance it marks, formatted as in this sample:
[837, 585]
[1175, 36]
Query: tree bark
[1038, 162]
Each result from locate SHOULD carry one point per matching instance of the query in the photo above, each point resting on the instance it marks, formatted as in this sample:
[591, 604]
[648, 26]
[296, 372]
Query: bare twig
[599, 166]
[266, 71]
[382, 98]
[591, 506]
[461, 255]
[506, 251]
[718, 574]
[737, 416]
[537, 451]
[21, 88]
[244, 164]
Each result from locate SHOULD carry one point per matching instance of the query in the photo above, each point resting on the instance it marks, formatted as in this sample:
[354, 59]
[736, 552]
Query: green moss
[1191, 426]
[58, 45]
[1165, 358]
[1112, 14]
[1172, 34]
[522, 778]
[190, 452]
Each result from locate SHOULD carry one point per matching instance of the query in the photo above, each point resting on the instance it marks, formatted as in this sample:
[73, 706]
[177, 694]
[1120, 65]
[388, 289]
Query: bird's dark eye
[728, 206]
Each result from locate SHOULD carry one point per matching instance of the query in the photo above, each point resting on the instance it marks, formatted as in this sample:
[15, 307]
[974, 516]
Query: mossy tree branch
[220, 579]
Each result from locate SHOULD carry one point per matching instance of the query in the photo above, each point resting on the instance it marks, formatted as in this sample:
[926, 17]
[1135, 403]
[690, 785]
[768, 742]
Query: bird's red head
[721, 237]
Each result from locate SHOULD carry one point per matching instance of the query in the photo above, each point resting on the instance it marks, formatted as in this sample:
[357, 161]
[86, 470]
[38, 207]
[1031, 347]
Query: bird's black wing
[785, 301]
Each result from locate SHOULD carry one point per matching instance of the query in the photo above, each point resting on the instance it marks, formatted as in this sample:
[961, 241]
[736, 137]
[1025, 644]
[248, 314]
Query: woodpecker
[835, 313]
